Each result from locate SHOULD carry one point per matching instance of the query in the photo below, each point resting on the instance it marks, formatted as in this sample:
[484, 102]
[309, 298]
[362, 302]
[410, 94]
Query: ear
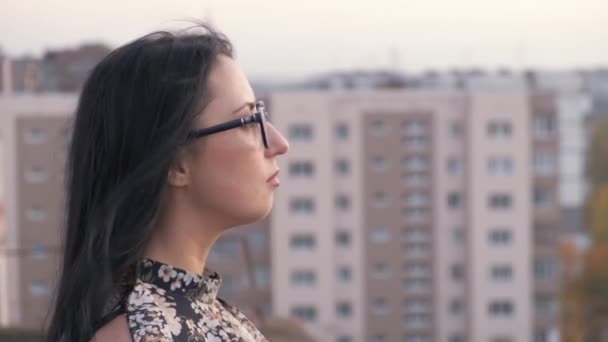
[179, 173]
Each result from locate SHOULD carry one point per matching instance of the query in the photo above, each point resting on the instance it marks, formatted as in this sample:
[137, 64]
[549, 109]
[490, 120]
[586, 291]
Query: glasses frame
[260, 117]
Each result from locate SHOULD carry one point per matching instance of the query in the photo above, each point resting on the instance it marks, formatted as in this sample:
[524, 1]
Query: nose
[278, 145]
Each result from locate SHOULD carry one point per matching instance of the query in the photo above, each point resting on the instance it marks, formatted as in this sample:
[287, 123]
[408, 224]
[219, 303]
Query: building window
[545, 268]
[500, 201]
[344, 310]
[342, 202]
[301, 205]
[344, 274]
[500, 308]
[380, 306]
[261, 274]
[456, 130]
[342, 167]
[302, 243]
[417, 305]
[306, 313]
[541, 335]
[456, 307]
[304, 278]
[545, 126]
[39, 288]
[415, 215]
[417, 321]
[381, 270]
[501, 339]
[343, 239]
[378, 127]
[456, 338]
[502, 273]
[34, 136]
[36, 214]
[499, 130]
[417, 285]
[500, 166]
[545, 163]
[454, 200]
[415, 179]
[344, 339]
[413, 235]
[458, 237]
[416, 200]
[543, 198]
[414, 143]
[500, 237]
[301, 169]
[341, 131]
[380, 235]
[379, 163]
[36, 174]
[414, 128]
[380, 338]
[416, 164]
[417, 271]
[379, 199]
[39, 250]
[457, 272]
[455, 166]
[417, 338]
[546, 305]
[300, 132]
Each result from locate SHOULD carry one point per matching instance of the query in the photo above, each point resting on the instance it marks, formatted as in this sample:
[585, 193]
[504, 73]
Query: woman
[169, 149]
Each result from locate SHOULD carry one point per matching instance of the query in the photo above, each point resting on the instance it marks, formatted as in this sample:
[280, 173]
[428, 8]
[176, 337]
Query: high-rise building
[411, 215]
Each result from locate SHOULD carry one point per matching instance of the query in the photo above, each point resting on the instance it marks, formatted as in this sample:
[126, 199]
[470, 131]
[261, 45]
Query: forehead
[228, 86]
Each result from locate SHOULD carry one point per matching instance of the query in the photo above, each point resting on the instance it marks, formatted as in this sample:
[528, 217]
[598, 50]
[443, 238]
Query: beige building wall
[34, 133]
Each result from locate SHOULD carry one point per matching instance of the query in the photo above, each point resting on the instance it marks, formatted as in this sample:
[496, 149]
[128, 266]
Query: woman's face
[231, 172]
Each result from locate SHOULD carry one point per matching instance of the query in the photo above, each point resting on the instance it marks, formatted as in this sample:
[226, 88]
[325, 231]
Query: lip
[276, 173]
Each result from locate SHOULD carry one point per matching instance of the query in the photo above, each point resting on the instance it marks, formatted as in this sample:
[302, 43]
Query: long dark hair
[133, 116]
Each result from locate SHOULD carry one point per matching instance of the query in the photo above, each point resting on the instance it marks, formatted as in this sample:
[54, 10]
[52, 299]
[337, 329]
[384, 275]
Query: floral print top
[171, 304]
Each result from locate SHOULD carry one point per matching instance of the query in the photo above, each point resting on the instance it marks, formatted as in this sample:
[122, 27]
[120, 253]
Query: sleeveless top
[171, 304]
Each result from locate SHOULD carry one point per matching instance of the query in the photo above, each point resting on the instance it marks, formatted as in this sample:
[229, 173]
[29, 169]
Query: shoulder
[117, 330]
[151, 315]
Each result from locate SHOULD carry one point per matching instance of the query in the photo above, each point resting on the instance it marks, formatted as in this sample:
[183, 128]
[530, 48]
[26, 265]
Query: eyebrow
[249, 104]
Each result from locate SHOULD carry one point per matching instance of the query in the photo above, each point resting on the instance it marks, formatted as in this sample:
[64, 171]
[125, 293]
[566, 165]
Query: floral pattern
[170, 304]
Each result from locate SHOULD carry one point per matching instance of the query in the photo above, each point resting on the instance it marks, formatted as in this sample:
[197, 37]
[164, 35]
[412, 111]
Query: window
[36, 174]
[415, 215]
[39, 288]
[344, 309]
[458, 237]
[379, 199]
[415, 179]
[380, 338]
[416, 164]
[455, 166]
[300, 132]
[456, 130]
[342, 202]
[416, 200]
[262, 276]
[34, 136]
[543, 198]
[541, 335]
[342, 167]
[456, 307]
[379, 163]
[380, 305]
[545, 268]
[381, 270]
[417, 143]
[343, 239]
[225, 248]
[546, 305]
[413, 235]
[344, 339]
[301, 169]
[341, 131]
[417, 285]
[457, 272]
[545, 126]
[500, 237]
[414, 128]
[380, 235]
[545, 163]
[344, 274]
[418, 338]
[306, 313]
[417, 271]
[301, 205]
[304, 278]
[499, 129]
[502, 273]
[39, 250]
[500, 308]
[456, 338]
[417, 320]
[500, 201]
[500, 166]
[501, 339]
[302, 243]
[416, 249]
[417, 305]
[454, 200]
[36, 214]
[378, 127]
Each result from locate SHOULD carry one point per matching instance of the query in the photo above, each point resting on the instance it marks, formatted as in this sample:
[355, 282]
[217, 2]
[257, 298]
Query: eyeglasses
[260, 117]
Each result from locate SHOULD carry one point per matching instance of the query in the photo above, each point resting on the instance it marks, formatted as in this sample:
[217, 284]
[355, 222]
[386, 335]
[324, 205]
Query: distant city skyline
[276, 39]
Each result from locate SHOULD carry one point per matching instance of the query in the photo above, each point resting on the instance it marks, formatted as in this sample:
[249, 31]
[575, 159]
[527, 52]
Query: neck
[182, 238]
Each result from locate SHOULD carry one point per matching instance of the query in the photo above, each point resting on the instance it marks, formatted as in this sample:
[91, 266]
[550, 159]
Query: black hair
[133, 116]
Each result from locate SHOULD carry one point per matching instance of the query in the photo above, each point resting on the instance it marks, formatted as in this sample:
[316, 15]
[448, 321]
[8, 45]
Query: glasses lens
[262, 110]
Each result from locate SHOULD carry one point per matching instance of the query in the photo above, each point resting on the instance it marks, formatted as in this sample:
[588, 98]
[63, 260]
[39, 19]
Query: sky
[283, 38]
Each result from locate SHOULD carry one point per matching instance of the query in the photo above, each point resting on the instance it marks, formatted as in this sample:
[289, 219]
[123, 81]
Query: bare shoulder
[117, 330]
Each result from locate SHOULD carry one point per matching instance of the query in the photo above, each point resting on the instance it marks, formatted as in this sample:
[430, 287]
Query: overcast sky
[293, 38]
